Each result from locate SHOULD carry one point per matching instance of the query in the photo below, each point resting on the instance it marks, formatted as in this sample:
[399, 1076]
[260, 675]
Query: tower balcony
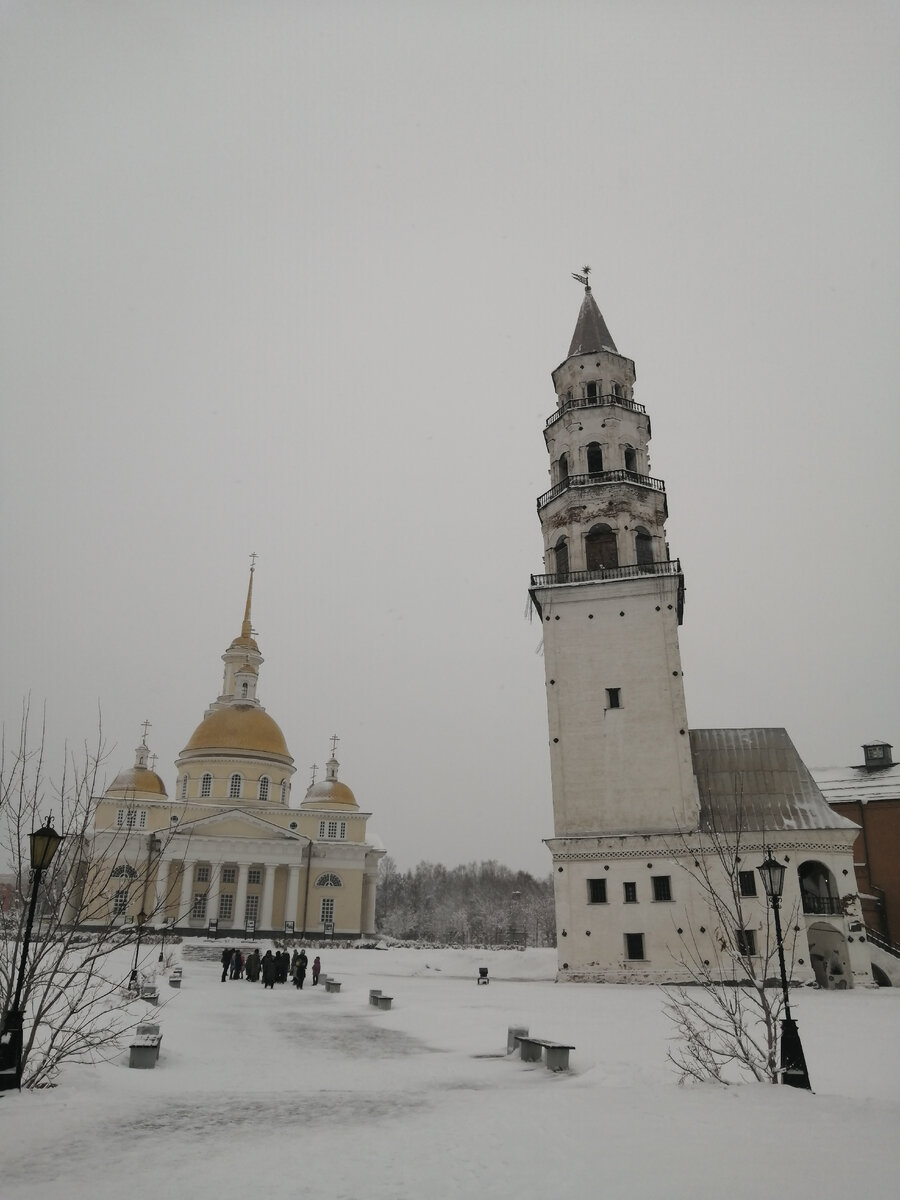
[600, 477]
[594, 402]
[671, 566]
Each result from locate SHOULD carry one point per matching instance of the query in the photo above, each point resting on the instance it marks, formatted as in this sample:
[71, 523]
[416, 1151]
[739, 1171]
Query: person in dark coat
[269, 970]
[316, 970]
[252, 967]
[226, 963]
[300, 970]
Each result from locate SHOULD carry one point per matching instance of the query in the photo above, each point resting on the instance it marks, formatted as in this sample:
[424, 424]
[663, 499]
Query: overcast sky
[291, 278]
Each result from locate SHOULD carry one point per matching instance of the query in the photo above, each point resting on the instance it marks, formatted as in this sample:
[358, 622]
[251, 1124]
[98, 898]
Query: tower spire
[246, 629]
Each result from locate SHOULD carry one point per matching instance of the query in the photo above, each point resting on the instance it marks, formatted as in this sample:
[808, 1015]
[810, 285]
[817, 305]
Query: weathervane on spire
[334, 741]
[145, 726]
[585, 278]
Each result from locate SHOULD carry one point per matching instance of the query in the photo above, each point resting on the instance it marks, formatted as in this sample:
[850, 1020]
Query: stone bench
[556, 1055]
[144, 1049]
[332, 985]
[383, 1002]
[150, 993]
[374, 993]
[482, 975]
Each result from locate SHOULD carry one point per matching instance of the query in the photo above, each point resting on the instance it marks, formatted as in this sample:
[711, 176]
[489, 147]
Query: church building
[641, 801]
[232, 851]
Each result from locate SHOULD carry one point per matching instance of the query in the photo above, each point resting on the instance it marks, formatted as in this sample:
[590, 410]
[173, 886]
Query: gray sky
[291, 278]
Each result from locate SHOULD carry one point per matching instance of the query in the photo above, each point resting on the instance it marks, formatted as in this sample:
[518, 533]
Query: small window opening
[594, 459]
[630, 458]
[634, 945]
[596, 891]
[746, 942]
[613, 697]
[747, 882]
[662, 887]
[630, 892]
[561, 557]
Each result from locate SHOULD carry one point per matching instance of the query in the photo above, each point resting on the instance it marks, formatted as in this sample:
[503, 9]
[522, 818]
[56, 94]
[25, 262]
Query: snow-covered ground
[292, 1094]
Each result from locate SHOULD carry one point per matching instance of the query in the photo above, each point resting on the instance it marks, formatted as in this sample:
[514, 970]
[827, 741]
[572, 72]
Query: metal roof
[856, 785]
[591, 333]
[755, 780]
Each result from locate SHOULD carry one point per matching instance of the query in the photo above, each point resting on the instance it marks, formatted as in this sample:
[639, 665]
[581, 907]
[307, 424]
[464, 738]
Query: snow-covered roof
[755, 779]
[856, 785]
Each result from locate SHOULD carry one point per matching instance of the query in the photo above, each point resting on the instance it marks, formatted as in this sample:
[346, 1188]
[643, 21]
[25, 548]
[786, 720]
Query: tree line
[478, 904]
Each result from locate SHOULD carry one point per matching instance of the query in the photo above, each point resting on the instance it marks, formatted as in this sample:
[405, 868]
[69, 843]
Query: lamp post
[141, 918]
[793, 1062]
[44, 844]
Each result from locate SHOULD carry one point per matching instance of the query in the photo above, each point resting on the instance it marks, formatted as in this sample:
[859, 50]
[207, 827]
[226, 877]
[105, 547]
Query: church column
[293, 891]
[187, 894]
[368, 905]
[212, 894]
[265, 919]
[162, 890]
[240, 899]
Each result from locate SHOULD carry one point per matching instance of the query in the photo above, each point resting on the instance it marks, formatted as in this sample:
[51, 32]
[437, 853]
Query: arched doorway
[818, 890]
[601, 551]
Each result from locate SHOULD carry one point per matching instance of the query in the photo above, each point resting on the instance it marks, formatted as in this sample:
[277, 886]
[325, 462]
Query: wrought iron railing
[878, 939]
[671, 566]
[822, 906]
[594, 478]
[594, 402]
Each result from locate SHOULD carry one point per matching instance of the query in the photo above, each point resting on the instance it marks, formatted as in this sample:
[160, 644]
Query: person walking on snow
[316, 969]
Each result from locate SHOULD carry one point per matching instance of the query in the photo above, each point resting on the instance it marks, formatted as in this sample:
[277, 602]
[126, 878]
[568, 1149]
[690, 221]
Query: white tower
[611, 601]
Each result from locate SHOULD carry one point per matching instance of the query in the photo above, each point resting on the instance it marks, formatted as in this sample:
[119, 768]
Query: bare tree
[729, 1014]
[74, 989]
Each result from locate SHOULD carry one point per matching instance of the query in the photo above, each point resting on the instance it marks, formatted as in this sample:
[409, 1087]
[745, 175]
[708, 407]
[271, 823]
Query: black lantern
[772, 872]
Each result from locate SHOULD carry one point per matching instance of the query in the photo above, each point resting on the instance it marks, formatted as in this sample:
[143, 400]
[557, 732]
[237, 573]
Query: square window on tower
[613, 697]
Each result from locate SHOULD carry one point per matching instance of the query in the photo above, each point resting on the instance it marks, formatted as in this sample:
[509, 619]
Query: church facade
[647, 813]
[231, 851]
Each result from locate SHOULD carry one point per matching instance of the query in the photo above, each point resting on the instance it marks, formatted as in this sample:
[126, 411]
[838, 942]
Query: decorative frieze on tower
[611, 600]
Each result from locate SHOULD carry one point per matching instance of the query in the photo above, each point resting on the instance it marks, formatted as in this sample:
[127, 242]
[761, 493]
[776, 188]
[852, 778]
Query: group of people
[271, 968]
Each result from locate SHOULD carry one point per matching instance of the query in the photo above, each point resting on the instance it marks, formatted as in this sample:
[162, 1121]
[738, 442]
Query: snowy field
[293, 1094]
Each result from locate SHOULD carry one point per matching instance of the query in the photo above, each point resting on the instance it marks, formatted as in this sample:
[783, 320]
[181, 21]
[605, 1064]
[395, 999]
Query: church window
[203, 874]
[264, 787]
[322, 826]
[746, 942]
[229, 874]
[562, 468]
[332, 829]
[226, 906]
[234, 787]
[124, 871]
[601, 550]
[617, 391]
[329, 879]
[184, 785]
[198, 909]
[613, 697]
[561, 557]
[251, 909]
[120, 902]
[747, 883]
[634, 945]
[254, 876]
[662, 887]
[206, 785]
[284, 791]
[643, 547]
[327, 911]
[630, 458]
[630, 891]
[244, 687]
[596, 891]
[594, 458]
[342, 830]
[590, 389]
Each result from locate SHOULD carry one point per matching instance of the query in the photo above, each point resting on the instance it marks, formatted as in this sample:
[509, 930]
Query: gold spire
[246, 630]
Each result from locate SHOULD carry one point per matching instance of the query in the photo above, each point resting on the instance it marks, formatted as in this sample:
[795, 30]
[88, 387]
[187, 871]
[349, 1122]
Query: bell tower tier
[611, 600]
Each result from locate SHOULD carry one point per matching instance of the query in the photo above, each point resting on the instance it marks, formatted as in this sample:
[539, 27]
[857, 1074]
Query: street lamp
[141, 918]
[44, 844]
[793, 1063]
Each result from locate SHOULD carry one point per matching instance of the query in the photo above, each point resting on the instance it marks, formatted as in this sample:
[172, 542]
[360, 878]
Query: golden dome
[330, 793]
[136, 780]
[239, 727]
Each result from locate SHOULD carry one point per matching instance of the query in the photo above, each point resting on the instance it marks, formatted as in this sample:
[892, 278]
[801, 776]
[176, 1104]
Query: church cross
[153, 760]
[145, 726]
[313, 768]
[253, 557]
[334, 741]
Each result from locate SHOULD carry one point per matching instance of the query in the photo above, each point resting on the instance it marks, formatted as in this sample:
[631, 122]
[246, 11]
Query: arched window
[284, 791]
[234, 787]
[594, 458]
[244, 687]
[590, 389]
[643, 547]
[184, 783]
[562, 468]
[329, 879]
[630, 458]
[818, 890]
[618, 391]
[206, 785]
[601, 551]
[264, 787]
[124, 871]
[561, 556]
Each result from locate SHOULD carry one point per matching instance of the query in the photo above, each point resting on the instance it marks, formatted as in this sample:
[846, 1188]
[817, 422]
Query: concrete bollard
[512, 1033]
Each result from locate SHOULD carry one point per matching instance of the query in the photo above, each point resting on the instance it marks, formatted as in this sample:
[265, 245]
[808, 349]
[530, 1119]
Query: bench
[332, 985]
[383, 1002]
[557, 1054]
[482, 975]
[374, 993]
[150, 993]
[144, 1049]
